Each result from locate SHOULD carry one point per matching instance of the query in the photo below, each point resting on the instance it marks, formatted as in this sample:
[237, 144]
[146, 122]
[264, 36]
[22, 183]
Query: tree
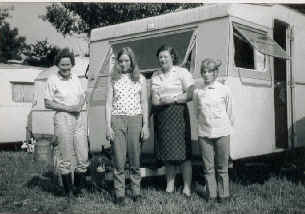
[3, 15]
[69, 18]
[41, 53]
[11, 45]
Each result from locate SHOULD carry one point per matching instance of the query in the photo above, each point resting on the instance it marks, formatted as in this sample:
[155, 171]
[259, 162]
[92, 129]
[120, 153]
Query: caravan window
[22, 92]
[145, 48]
[252, 46]
[246, 56]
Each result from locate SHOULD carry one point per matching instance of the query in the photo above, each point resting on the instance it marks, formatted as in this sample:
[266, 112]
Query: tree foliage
[4, 13]
[81, 17]
[11, 44]
[41, 53]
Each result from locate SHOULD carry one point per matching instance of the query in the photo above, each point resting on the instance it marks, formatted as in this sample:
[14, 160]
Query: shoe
[67, 183]
[120, 201]
[68, 187]
[223, 199]
[210, 199]
[79, 183]
[186, 194]
[170, 190]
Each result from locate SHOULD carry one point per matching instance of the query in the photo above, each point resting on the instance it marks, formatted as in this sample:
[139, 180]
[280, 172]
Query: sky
[25, 18]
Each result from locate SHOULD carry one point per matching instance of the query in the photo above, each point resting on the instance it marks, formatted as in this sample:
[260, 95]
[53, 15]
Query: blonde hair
[117, 71]
[206, 62]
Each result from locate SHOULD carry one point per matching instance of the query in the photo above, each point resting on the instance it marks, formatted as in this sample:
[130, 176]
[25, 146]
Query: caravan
[17, 94]
[263, 50]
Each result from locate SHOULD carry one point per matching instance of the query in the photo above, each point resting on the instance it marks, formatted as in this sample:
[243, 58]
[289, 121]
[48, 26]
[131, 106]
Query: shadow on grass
[286, 165]
[47, 182]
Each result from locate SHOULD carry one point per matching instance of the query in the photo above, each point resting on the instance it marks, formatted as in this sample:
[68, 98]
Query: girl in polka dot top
[127, 121]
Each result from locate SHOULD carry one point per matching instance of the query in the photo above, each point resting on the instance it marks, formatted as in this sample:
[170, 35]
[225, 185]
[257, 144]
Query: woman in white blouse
[127, 121]
[172, 88]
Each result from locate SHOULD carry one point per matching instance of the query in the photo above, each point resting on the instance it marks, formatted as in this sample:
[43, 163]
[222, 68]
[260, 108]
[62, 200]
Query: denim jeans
[127, 131]
[215, 156]
[71, 136]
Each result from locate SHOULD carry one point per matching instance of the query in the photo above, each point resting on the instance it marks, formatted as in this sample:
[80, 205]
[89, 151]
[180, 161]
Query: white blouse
[213, 109]
[67, 92]
[172, 83]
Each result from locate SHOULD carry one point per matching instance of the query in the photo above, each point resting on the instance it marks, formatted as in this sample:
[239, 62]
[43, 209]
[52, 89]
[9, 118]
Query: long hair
[134, 71]
[171, 51]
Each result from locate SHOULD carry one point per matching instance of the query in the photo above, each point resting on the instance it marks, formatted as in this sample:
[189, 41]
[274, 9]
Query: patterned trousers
[70, 131]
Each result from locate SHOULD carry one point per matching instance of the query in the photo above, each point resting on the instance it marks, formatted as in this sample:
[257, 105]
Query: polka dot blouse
[127, 96]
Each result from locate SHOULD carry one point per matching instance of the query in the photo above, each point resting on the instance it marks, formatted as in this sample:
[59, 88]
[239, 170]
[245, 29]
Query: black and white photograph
[152, 107]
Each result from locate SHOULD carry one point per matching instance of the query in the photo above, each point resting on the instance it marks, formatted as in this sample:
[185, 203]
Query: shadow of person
[46, 182]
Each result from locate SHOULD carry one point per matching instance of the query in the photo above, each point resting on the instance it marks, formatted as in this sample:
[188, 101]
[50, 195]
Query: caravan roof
[18, 66]
[159, 22]
[81, 64]
[175, 19]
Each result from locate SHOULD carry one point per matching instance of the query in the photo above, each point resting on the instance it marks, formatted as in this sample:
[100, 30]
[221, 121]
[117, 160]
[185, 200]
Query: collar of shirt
[61, 78]
[164, 76]
[212, 86]
[125, 75]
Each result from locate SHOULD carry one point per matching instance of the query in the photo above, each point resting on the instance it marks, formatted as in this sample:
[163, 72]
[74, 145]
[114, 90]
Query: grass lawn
[257, 189]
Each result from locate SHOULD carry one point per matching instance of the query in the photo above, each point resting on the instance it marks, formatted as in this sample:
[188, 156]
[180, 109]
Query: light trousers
[126, 143]
[215, 157]
[71, 136]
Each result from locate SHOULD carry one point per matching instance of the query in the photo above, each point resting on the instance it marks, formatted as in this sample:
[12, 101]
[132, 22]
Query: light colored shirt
[67, 92]
[172, 83]
[127, 96]
[213, 109]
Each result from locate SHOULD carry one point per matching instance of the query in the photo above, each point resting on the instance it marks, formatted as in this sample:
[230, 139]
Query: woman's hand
[167, 100]
[75, 108]
[109, 134]
[145, 132]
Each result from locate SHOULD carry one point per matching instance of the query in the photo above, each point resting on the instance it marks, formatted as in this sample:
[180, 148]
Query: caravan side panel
[96, 93]
[253, 94]
[14, 114]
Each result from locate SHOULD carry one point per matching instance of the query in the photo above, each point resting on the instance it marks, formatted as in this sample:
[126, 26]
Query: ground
[257, 187]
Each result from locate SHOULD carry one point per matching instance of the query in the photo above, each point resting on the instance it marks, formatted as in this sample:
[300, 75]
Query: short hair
[64, 53]
[171, 51]
[207, 61]
[135, 73]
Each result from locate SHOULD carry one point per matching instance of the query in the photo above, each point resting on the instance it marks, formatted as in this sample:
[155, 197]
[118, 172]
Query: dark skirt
[172, 133]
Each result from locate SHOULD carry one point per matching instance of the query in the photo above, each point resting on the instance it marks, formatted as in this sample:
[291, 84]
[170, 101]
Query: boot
[67, 183]
[79, 182]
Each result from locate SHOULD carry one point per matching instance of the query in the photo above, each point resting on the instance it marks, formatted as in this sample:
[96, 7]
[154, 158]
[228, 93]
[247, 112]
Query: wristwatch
[175, 100]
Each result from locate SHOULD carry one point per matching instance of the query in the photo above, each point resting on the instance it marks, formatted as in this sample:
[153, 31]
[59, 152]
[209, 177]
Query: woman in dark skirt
[172, 88]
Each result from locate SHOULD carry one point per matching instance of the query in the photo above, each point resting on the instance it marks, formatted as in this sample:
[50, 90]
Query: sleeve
[154, 91]
[187, 79]
[142, 79]
[81, 89]
[195, 102]
[50, 88]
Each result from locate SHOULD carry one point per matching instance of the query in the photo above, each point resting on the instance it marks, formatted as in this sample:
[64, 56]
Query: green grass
[23, 189]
